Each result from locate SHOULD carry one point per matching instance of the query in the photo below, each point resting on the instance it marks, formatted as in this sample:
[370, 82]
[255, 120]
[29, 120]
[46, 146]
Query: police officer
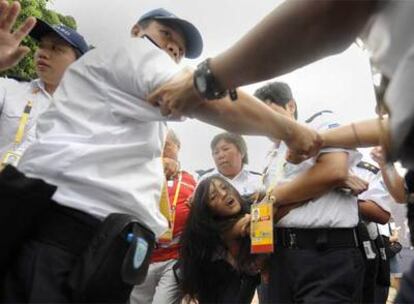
[375, 208]
[21, 102]
[230, 156]
[316, 258]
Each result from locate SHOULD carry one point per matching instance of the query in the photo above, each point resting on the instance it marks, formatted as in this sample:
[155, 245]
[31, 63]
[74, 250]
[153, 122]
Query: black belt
[316, 238]
[68, 228]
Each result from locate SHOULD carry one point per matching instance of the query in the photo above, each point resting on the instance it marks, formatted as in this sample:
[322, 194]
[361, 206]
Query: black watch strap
[207, 85]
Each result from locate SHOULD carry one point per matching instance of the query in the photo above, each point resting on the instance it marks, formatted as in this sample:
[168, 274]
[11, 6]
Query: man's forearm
[313, 183]
[294, 34]
[247, 115]
[394, 183]
[370, 211]
[360, 134]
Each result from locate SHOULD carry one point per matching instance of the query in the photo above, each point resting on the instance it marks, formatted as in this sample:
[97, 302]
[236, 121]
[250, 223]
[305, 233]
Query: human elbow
[383, 218]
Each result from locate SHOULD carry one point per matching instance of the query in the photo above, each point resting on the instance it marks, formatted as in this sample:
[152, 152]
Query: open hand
[11, 52]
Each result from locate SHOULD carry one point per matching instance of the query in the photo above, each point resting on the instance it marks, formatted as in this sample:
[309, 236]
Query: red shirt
[170, 251]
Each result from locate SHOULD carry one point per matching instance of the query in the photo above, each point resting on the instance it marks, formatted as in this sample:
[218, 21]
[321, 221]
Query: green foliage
[26, 68]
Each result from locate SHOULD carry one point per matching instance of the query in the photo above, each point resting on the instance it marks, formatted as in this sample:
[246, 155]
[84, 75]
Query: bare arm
[250, 116]
[361, 134]
[372, 212]
[329, 172]
[294, 34]
[393, 181]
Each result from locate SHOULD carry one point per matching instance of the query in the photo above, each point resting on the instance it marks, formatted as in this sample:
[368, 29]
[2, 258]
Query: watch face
[201, 83]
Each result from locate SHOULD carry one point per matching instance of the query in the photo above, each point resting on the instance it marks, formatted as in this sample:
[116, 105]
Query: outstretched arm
[294, 34]
[250, 116]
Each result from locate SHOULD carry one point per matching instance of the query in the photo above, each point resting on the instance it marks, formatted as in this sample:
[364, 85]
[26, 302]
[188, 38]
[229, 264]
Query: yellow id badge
[166, 237]
[10, 158]
[261, 227]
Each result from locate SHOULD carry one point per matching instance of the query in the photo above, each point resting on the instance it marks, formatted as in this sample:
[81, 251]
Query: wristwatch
[206, 84]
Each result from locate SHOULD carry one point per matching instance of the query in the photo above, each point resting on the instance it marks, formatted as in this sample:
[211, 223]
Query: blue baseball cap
[193, 39]
[68, 34]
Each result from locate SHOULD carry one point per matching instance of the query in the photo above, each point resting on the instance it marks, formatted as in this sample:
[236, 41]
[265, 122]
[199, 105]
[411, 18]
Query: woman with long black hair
[215, 262]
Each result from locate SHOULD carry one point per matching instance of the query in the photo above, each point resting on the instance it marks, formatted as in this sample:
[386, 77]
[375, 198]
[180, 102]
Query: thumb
[155, 96]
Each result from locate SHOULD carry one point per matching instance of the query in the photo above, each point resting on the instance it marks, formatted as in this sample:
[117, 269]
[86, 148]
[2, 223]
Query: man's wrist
[207, 84]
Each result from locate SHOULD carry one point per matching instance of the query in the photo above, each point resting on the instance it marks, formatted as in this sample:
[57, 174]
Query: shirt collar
[38, 84]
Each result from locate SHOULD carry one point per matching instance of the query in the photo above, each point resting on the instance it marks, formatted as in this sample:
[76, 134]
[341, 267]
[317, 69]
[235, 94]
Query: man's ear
[291, 106]
[135, 30]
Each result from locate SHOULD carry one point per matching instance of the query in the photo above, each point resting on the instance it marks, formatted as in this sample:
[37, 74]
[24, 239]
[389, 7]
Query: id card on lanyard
[167, 237]
[262, 214]
[12, 157]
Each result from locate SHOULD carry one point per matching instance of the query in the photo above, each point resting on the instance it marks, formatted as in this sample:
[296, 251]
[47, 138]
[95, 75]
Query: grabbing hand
[356, 184]
[303, 143]
[377, 155]
[176, 97]
[11, 52]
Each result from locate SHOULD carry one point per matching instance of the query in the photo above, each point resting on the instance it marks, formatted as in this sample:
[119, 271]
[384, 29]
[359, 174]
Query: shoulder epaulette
[367, 166]
[204, 172]
[310, 119]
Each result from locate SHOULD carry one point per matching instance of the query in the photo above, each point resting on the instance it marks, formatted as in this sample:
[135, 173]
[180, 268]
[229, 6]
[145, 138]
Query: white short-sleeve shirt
[333, 209]
[100, 142]
[246, 182]
[14, 96]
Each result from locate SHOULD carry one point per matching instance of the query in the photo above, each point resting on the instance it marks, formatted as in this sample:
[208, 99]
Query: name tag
[261, 227]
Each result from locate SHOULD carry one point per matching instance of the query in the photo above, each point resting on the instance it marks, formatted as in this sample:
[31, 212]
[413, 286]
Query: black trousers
[42, 241]
[316, 276]
[39, 272]
[229, 286]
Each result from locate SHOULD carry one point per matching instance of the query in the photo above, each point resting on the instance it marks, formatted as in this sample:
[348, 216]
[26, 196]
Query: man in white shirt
[375, 207]
[316, 258]
[99, 146]
[59, 46]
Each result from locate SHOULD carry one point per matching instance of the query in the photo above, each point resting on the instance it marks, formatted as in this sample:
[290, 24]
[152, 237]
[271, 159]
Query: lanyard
[24, 119]
[174, 203]
[280, 163]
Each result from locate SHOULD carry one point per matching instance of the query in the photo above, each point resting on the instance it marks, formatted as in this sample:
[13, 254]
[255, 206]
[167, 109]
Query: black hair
[276, 92]
[235, 139]
[201, 240]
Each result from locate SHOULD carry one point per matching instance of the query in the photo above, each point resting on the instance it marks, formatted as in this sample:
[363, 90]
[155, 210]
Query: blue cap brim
[42, 28]
[193, 39]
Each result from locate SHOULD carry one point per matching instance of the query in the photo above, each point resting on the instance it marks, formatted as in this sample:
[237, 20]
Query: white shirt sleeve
[134, 70]
[327, 121]
[3, 84]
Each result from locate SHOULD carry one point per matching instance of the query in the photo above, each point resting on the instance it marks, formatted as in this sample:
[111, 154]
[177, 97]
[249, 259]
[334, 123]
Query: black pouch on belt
[383, 277]
[116, 260]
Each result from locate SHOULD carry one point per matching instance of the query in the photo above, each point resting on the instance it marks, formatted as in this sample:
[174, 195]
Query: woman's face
[223, 200]
[228, 159]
